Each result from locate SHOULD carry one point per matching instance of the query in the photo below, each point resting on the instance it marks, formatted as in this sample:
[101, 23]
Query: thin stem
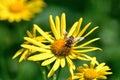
[58, 75]
[54, 77]
[43, 70]
[44, 74]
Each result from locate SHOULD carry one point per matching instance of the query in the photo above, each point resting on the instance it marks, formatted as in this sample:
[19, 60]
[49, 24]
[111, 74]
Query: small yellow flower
[17, 10]
[62, 46]
[92, 72]
[24, 52]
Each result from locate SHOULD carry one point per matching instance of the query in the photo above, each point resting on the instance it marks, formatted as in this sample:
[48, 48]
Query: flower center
[60, 47]
[16, 7]
[90, 74]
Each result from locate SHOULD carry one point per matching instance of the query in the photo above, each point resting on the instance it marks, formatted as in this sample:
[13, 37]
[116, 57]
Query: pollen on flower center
[59, 48]
[16, 7]
[90, 74]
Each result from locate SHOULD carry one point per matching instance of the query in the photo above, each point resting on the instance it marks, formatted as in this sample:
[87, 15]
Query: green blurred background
[104, 13]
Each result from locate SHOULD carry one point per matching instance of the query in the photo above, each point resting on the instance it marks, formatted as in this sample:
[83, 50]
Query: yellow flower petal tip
[13, 57]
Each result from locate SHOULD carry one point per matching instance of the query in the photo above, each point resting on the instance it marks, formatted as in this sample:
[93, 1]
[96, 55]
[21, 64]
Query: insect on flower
[69, 41]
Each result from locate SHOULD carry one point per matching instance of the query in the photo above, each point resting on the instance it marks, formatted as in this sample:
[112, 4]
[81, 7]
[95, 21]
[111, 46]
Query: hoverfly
[70, 40]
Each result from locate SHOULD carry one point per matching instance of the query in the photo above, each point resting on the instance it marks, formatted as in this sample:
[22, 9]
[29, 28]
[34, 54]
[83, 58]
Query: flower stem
[43, 70]
[44, 74]
[56, 76]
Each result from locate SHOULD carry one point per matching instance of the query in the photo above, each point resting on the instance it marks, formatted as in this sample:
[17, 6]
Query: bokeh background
[102, 13]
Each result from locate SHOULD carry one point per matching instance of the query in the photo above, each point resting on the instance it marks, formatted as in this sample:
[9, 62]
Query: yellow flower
[92, 72]
[62, 46]
[24, 52]
[17, 10]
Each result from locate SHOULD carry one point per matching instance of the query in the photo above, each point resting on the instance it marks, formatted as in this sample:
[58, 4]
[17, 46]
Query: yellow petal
[89, 47]
[70, 65]
[35, 42]
[48, 61]
[43, 33]
[70, 62]
[72, 56]
[18, 53]
[90, 31]
[58, 26]
[34, 32]
[41, 56]
[100, 66]
[24, 55]
[52, 25]
[82, 58]
[102, 77]
[50, 73]
[63, 24]
[85, 66]
[71, 70]
[62, 62]
[72, 30]
[86, 43]
[35, 48]
[54, 68]
[78, 27]
[88, 50]
[78, 75]
[93, 62]
[86, 56]
[29, 34]
[84, 29]
[106, 73]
